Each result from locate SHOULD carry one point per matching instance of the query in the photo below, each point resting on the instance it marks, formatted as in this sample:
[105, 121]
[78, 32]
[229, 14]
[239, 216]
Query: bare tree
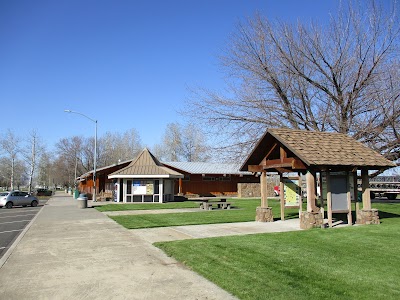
[44, 174]
[342, 77]
[194, 146]
[31, 156]
[114, 147]
[9, 143]
[69, 152]
[182, 143]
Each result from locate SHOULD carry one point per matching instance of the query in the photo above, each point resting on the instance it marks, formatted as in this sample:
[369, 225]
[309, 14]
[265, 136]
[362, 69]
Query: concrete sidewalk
[71, 253]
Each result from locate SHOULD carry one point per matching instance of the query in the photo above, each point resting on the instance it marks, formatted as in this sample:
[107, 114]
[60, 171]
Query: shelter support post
[366, 196]
[263, 212]
[321, 191]
[282, 197]
[310, 180]
[349, 216]
[313, 216]
[329, 197]
[180, 186]
[301, 196]
[366, 215]
[264, 186]
[355, 187]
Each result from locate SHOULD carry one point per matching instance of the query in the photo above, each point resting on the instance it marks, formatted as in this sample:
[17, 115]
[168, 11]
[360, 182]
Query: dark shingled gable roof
[318, 149]
[145, 164]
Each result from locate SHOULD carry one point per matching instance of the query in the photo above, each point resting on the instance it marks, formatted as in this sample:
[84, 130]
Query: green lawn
[244, 210]
[359, 262]
[147, 206]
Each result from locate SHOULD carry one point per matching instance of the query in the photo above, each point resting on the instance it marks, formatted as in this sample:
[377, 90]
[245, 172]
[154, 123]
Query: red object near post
[277, 190]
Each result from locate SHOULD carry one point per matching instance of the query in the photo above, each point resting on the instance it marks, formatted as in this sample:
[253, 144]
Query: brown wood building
[202, 179]
[103, 183]
[338, 157]
[208, 179]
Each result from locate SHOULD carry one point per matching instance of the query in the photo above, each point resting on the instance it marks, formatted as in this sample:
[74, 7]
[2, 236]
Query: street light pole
[95, 149]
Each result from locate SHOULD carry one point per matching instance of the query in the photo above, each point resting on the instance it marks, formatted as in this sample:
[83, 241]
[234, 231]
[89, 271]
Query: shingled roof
[319, 149]
[146, 165]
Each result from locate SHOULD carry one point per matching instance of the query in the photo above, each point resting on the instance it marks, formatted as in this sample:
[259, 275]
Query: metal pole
[95, 162]
[95, 149]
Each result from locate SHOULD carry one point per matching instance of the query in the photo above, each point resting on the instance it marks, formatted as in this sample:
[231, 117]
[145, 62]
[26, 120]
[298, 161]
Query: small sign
[149, 188]
[292, 192]
[138, 188]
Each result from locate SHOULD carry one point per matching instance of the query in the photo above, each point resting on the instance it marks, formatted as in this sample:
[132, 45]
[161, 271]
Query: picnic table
[212, 202]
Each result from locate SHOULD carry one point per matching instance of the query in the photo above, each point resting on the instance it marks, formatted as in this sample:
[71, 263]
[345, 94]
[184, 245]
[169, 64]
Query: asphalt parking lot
[13, 221]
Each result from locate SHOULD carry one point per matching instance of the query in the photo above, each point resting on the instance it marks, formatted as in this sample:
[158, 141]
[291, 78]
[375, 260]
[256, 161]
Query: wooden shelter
[145, 179]
[309, 153]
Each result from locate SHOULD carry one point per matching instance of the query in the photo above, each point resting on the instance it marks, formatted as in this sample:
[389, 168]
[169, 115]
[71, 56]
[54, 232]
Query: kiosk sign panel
[292, 192]
[149, 188]
[138, 188]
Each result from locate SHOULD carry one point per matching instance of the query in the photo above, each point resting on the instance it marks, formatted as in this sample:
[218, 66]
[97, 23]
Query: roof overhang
[285, 150]
[136, 176]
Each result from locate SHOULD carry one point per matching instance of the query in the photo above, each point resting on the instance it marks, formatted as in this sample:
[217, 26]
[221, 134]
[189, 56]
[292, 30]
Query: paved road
[13, 221]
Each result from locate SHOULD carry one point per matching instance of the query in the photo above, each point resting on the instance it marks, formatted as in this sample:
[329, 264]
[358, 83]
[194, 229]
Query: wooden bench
[103, 196]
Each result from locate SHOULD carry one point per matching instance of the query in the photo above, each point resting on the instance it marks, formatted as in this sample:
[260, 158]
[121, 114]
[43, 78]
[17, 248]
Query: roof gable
[145, 164]
[319, 149]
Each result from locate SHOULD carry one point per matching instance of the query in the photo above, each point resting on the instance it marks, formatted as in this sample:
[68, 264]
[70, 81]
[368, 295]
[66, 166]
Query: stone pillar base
[264, 214]
[367, 216]
[311, 220]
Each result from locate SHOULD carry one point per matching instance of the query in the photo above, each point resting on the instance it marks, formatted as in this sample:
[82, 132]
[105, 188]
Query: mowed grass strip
[147, 206]
[359, 262]
[243, 211]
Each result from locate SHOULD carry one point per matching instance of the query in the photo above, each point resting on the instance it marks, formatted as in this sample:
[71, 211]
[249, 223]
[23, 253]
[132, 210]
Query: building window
[142, 190]
[220, 178]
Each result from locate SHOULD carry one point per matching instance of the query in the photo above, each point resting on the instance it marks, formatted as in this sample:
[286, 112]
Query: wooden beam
[275, 166]
[255, 168]
[282, 154]
[297, 164]
[278, 161]
[284, 170]
[270, 151]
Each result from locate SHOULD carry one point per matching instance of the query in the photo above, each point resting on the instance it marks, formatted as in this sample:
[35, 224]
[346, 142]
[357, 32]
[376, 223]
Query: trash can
[76, 194]
[82, 201]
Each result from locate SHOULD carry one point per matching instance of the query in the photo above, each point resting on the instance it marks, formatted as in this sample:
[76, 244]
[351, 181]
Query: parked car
[43, 192]
[15, 198]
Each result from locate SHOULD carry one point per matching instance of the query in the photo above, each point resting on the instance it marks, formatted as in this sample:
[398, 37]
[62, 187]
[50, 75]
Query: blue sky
[127, 64]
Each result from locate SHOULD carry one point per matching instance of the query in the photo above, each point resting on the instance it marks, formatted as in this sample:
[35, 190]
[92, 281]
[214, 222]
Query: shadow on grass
[387, 215]
[343, 216]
